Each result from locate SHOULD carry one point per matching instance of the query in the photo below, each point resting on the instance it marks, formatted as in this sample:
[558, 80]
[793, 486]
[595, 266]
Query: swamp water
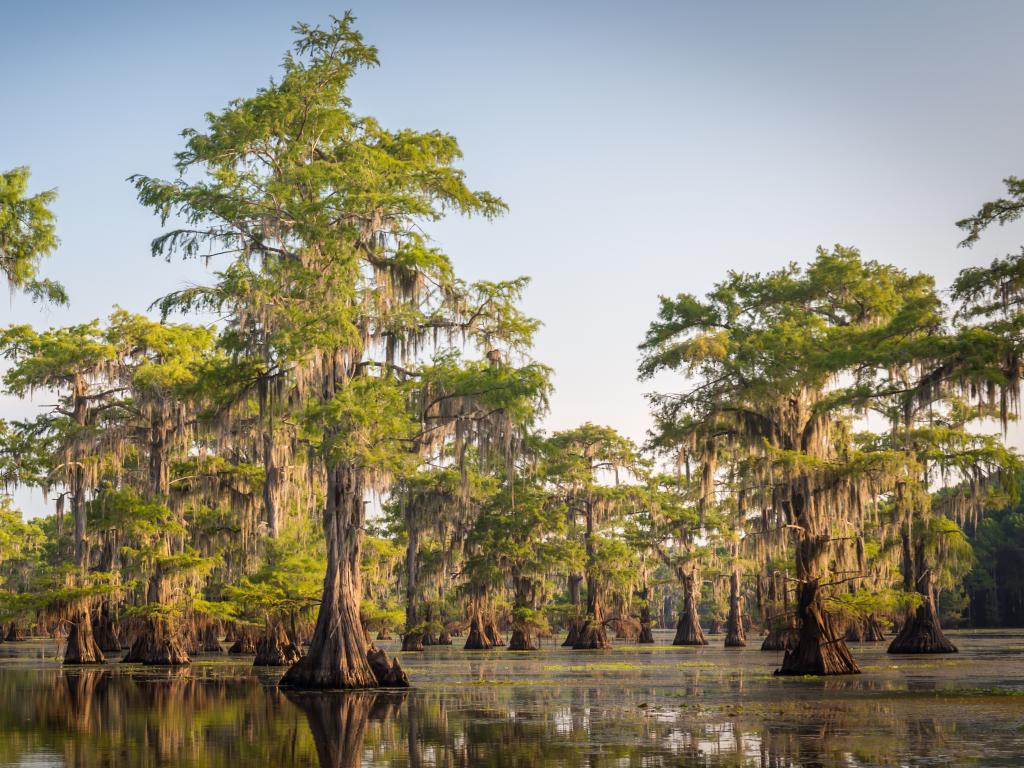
[633, 706]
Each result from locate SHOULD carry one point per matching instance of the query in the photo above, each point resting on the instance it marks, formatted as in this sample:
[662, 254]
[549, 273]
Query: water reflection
[223, 714]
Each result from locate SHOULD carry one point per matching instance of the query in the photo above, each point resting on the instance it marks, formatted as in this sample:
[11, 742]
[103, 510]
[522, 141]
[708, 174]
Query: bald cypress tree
[329, 208]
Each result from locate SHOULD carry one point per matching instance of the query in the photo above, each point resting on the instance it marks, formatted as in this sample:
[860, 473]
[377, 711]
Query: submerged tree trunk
[412, 640]
[82, 647]
[921, 631]
[735, 636]
[338, 652]
[275, 648]
[688, 629]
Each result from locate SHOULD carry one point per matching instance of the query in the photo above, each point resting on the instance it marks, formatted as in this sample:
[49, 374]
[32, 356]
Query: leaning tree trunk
[338, 652]
[921, 631]
[82, 647]
[688, 629]
[735, 637]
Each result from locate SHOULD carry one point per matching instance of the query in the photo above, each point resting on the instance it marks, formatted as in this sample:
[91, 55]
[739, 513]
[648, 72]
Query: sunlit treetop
[28, 234]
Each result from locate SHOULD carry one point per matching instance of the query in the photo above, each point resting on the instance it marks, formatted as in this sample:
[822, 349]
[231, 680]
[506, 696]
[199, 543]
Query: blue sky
[643, 148]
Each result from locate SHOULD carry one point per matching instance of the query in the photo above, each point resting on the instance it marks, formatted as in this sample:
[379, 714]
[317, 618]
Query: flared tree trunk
[735, 635]
[275, 648]
[873, 631]
[338, 651]
[820, 648]
[156, 645]
[688, 629]
[523, 639]
[82, 647]
[493, 633]
[921, 631]
[477, 639]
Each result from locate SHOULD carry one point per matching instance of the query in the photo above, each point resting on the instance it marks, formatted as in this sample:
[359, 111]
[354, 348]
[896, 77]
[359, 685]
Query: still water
[630, 707]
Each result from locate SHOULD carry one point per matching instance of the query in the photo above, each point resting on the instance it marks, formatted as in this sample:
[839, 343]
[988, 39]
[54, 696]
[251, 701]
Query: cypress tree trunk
[592, 634]
[105, 632]
[688, 629]
[735, 636]
[275, 649]
[575, 624]
[210, 639]
[820, 649]
[81, 646]
[412, 640]
[477, 639]
[271, 472]
[921, 631]
[156, 645]
[493, 633]
[338, 651]
[646, 633]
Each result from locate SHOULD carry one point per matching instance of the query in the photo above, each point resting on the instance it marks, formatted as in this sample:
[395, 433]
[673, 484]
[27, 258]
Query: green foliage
[28, 234]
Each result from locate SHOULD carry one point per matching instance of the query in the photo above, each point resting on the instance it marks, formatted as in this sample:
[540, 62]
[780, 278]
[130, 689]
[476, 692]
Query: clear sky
[643, 147]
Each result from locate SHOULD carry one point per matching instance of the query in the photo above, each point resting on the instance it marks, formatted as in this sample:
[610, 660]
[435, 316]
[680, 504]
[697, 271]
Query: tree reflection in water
[215, 715]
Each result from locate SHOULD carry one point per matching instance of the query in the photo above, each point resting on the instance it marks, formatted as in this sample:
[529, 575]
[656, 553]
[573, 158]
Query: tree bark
[921, 631]
[820, 649]
[156, 645]
[82, 647]
[337, 656]
[735, 636]
[688, 629]
[477, 639]
[275, 649]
